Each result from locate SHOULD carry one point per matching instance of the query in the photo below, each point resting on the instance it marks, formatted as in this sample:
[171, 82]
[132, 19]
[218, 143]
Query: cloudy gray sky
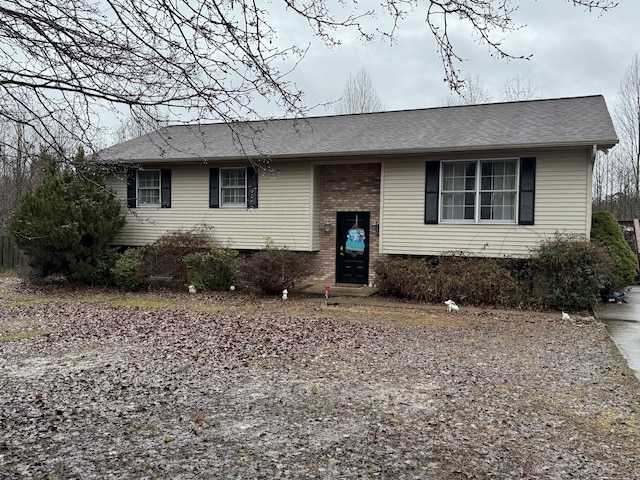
[574, 53]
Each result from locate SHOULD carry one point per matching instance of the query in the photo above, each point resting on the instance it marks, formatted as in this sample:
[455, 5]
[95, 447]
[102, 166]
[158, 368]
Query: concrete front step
[339, 290]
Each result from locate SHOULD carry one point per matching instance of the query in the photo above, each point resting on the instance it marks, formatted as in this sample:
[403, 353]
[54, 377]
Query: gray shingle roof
[568, 122]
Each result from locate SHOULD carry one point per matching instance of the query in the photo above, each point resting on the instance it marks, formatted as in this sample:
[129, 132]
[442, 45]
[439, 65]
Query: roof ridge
[362, 114]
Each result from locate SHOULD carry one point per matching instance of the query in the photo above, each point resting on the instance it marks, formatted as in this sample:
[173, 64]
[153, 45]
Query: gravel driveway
[100, 385]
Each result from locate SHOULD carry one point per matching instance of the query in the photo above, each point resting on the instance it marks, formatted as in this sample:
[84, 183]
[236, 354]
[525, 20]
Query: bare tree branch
[65, 61]
[485, 18]
[471, 92]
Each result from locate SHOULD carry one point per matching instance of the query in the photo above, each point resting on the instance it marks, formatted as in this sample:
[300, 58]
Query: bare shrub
[271, 270]
[570, 273]
[163, 263]
[479, 281]
[405, 277]
[465, 279]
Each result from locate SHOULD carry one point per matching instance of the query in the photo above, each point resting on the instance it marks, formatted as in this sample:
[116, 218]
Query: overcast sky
[574, 53]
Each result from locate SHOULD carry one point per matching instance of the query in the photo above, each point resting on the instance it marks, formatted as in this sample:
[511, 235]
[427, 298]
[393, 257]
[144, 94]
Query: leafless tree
[519, 88]
[359, 96]
[627, 118]
[66, 60]
[137, 124]
[21, 161]
[616, 178]
[470, 93]
[612, 185]
[18, 149]
[601, 183]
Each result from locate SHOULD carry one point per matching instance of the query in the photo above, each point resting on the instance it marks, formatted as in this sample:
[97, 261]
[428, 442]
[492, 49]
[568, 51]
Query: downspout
[592, 163]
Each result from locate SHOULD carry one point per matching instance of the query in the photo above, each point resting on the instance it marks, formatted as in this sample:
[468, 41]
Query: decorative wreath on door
[355, 240]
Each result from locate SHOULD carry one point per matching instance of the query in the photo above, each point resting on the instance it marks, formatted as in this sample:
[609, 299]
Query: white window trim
[220, 188]
[476, 193]
[138, 188]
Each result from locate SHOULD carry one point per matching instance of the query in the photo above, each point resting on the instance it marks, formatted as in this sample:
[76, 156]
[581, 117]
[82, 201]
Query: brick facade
[346, 188]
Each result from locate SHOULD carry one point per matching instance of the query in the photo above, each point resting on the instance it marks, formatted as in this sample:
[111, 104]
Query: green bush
[605, 231]
[66, 225]
[214, 270]
[271, 270]
[570, 273]
[466, 280]
[162, 262]
[126, 271]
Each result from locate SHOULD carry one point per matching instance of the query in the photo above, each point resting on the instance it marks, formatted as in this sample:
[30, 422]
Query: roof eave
[600, 145]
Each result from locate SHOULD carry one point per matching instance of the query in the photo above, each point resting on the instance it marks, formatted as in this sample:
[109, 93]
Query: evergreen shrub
[605, 231]
[66, 225]
[126, 271]
[213, 270]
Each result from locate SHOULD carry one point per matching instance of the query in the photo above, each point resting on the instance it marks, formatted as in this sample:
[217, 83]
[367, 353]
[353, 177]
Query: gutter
[602, 145]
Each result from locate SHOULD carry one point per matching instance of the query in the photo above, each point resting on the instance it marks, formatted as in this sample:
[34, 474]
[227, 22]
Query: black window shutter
[214, 187]
[131, 188]
[526, 210]
[165, 187]
[252, 187]
[432, 192]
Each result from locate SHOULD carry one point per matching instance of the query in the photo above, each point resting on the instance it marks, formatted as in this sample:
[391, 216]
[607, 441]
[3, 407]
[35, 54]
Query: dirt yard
[101, 385]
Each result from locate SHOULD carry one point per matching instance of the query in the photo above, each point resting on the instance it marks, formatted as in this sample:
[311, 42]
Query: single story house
[491, 179]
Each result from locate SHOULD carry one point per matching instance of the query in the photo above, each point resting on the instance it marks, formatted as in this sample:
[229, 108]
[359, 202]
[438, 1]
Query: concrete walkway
[623, 323]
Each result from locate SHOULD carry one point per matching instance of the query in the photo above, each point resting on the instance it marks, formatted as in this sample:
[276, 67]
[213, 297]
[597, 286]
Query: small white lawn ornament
[565, 316]
[285, 294]
[451, 306]
[232, 288]
[192, 289]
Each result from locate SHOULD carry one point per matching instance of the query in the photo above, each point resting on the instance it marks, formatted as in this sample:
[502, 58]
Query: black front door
[352, 248]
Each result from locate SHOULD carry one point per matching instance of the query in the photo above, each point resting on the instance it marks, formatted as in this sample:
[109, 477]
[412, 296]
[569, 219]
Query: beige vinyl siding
[562, 205]
[283, 213]
[381, 215]
[316, 227]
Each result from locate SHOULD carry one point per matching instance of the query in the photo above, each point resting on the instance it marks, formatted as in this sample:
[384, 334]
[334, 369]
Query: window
[487, 191]
[480, 191]
[233, 187]
[489, 196]
[458, 191]
[149, 187]
[498, 191]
